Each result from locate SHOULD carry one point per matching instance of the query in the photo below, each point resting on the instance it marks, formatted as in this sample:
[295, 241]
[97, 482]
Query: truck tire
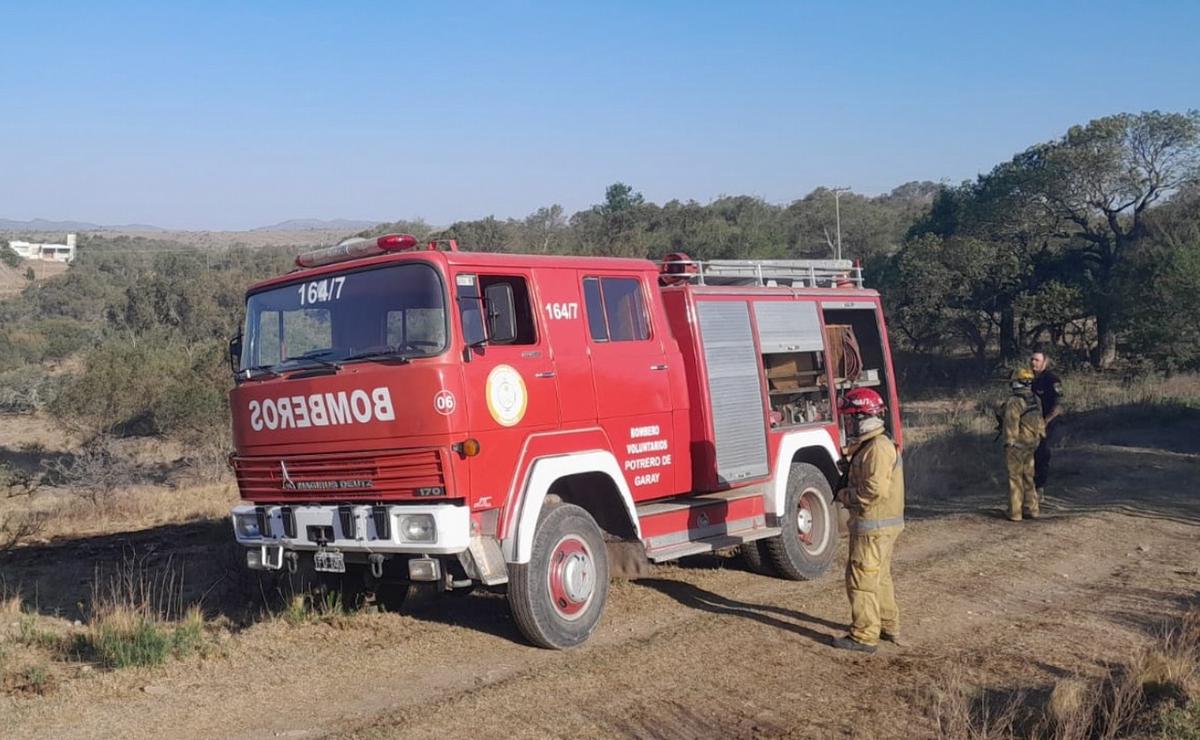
[806, 548]
[757, 559]
[557, 598]
[390, 596]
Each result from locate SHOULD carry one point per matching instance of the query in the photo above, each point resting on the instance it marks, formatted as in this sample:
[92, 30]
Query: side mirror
[235, 353]
[501, 313]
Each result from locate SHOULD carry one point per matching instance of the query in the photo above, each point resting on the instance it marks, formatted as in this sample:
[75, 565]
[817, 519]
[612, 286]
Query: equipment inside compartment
[798, 382]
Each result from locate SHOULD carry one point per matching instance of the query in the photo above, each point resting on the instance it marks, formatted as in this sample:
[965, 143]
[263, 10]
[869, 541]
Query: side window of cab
[616, 310]
[496, 309]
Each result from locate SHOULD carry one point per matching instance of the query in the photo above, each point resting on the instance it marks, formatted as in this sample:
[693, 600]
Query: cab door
[630, 373]
[508, 374]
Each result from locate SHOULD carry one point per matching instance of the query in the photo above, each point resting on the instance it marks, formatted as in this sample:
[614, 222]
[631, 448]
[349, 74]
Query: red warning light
[396, 242]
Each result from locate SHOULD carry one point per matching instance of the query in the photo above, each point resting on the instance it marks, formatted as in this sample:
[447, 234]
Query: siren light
[349, 249]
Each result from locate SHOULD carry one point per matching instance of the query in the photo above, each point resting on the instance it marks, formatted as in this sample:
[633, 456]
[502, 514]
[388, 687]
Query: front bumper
[355, 528]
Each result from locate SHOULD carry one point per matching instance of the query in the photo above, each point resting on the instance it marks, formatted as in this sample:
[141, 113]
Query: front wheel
[806, 548]
[557, 598]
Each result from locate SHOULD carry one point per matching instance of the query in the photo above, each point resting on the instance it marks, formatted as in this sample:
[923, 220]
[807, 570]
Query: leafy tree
[620, 198]
[8, 256]
[618, 226]
[488, 234]
[1097, 183]
[544, 227]
[1164, 316]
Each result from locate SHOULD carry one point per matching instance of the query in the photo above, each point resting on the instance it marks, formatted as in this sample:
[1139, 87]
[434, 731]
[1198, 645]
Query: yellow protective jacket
[875, 490]
[1022, 421]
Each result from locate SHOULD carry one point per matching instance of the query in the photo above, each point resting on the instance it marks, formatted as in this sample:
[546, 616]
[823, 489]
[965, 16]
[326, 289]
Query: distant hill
[314, 224]
[41, 224]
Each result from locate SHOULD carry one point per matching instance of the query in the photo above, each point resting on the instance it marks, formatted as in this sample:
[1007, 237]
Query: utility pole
[837, 210]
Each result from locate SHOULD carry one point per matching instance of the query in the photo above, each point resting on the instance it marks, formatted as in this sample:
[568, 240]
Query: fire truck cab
[410, 413]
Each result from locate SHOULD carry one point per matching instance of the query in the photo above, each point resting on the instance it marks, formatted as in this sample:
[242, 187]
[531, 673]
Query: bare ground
[699, 649]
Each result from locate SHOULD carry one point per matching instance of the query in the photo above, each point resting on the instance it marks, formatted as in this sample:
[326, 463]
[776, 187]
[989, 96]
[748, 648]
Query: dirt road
[705, 648]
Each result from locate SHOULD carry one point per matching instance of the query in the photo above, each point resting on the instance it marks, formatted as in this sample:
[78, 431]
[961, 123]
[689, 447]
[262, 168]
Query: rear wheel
[806, 547]
[557, 598]
[756, 557]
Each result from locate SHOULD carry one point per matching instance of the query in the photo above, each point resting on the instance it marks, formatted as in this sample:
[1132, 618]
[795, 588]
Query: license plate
[329, 561]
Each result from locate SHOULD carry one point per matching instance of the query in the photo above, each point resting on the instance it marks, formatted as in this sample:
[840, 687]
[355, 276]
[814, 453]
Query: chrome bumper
[357, 528]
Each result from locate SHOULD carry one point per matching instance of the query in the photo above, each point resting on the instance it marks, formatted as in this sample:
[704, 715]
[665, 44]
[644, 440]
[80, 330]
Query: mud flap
[628, 560]
[484, 561]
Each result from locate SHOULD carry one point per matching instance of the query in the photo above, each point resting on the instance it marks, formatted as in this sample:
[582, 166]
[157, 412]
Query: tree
[1098, 182]
[8, 256]
[487, 234]
[1163, 322]
[617, 227]
[947, 290]
[544, 227]
[619, 198]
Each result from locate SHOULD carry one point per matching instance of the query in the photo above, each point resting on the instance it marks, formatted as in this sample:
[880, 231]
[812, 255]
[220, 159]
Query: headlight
[246, 526]
[418, 528]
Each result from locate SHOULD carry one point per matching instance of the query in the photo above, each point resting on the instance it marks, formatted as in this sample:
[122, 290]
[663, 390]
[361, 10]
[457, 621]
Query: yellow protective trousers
[869, 586]
[1021, 491]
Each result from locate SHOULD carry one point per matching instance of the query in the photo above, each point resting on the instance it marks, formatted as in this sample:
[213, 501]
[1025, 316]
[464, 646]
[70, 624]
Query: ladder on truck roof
[678, 268]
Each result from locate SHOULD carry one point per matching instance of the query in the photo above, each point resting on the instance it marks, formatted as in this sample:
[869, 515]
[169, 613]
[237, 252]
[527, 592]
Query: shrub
[95, 471]
[8, 256]
[17, 527]
[123, 638]
[27, 388]
[149, 385]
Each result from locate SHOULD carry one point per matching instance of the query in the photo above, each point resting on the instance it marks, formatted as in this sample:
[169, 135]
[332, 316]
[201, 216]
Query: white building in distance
[48, 252]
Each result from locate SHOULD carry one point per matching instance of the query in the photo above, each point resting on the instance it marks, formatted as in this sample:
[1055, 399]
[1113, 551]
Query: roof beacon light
[349, 249]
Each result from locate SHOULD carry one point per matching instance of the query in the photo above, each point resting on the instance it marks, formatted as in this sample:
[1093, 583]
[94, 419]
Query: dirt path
[706, 649]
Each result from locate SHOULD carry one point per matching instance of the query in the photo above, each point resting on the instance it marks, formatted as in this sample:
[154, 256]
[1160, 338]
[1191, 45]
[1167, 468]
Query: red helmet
[862, 402]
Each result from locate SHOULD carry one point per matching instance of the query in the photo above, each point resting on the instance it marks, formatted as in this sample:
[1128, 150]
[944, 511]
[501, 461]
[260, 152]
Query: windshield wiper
[391, 353]
[313, 356]
[259, 371]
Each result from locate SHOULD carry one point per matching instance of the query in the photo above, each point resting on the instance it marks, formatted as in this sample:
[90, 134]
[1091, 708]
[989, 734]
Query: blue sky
[233, 115]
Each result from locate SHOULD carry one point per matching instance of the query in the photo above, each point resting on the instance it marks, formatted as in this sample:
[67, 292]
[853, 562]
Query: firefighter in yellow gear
[874, 496]
[1023, 428]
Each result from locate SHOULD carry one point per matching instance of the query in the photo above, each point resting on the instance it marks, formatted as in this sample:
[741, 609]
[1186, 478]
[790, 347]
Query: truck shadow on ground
[205, 567]
[789, 620]
[1139, 460]
[480, 611]
[199, 558]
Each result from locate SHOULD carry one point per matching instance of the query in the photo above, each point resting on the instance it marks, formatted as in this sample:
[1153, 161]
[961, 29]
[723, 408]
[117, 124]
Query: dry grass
[963, 711]
[11, 603]
[1158, 686]
[1088, 391]
[60, 515]
[138, 617]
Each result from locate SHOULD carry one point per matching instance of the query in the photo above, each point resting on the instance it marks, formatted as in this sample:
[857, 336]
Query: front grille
[388, 474]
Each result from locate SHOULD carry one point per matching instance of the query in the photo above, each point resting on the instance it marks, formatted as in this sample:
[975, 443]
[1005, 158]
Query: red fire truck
[414, 413]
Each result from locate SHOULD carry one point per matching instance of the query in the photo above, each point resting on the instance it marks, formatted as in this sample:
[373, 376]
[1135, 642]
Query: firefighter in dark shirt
[1048, 388]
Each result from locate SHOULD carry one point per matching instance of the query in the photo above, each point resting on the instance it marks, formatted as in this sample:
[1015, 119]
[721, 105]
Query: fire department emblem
[506, 396]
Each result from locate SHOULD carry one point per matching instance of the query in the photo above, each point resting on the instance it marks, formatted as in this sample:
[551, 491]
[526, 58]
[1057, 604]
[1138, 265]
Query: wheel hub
[812, 520]
[577, 578]
[804, 520]
[572, 577]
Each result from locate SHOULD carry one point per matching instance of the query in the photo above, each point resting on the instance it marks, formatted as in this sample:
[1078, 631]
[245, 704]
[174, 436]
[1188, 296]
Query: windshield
[395, 310]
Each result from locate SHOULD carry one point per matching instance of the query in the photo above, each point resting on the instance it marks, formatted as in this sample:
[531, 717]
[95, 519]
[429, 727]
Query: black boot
[846, 642]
